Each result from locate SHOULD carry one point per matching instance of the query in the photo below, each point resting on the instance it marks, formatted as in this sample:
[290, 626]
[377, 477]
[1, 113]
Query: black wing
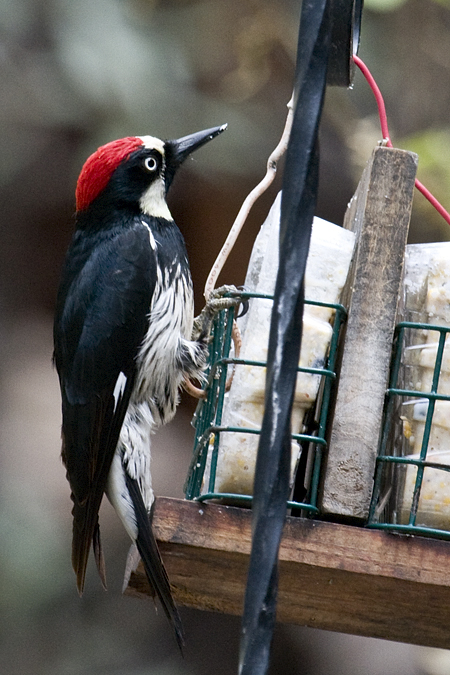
[101, 320]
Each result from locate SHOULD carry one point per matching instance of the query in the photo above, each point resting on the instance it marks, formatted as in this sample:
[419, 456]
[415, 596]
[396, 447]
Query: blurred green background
[74, 75]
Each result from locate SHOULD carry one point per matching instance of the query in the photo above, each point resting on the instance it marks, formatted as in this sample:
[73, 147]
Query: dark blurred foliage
[74, 75]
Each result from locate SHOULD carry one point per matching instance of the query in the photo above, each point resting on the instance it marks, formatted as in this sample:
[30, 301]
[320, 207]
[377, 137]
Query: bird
[125, 339]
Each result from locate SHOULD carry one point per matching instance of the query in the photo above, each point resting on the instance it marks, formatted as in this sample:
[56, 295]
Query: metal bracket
[346, 20]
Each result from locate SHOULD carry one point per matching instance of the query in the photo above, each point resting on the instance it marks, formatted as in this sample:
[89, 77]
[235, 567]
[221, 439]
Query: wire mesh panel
[412, 479]
[208, 419]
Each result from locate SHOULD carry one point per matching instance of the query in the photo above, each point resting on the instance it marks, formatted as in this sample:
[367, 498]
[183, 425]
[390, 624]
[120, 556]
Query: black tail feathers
[151, 558]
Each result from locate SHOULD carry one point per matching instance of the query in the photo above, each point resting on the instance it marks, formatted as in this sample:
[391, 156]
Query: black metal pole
[271, 487]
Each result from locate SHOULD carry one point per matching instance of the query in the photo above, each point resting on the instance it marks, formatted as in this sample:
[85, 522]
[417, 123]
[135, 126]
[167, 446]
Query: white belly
[133, 456]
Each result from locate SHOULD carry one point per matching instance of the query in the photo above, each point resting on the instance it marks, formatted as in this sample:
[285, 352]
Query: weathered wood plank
[379, 213]
[332, 576]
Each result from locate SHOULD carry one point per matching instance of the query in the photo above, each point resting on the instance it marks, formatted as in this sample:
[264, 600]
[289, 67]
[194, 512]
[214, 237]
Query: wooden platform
[332, 576]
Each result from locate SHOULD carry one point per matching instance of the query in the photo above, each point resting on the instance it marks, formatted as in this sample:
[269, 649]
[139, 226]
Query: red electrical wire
[386, 138]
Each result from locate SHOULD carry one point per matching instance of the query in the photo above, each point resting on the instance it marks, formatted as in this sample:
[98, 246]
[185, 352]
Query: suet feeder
[374, 462]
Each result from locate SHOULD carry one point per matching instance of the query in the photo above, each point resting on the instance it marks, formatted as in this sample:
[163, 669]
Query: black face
[133, 177]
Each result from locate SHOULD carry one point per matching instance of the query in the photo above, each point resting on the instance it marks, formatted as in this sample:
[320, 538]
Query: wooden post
[332, 576]
[379, 213]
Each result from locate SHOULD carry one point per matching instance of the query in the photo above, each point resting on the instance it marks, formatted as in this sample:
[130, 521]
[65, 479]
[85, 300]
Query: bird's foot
[219, 300]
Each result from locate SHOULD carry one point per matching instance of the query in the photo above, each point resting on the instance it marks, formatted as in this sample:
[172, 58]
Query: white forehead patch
[152, 143]
[153, 201]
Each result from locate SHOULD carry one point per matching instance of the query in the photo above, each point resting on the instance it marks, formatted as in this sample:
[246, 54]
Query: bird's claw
[217, 301]
[223, 298]
[244, 303]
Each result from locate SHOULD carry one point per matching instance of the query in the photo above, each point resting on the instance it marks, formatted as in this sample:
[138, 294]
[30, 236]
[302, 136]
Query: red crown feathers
[99, 167]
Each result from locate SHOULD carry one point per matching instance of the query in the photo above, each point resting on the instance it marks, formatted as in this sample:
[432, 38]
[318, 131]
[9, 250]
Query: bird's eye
[150, 164]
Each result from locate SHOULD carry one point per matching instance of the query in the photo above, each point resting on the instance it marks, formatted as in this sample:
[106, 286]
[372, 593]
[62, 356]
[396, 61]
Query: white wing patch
[150, 235]
[119, 388]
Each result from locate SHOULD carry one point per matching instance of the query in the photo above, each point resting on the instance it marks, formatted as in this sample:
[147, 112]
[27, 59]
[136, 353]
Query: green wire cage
[412, 490]
[201, 481]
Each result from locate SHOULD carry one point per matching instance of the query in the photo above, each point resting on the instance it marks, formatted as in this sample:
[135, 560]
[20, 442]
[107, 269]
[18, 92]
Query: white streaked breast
[170, 325]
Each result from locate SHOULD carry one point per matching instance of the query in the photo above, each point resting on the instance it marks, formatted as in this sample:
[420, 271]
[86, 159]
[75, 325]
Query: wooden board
[335, 577]
[379, 213]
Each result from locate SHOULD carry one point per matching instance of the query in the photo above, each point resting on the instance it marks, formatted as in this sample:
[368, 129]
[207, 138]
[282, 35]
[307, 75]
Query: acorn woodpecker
[123, 341]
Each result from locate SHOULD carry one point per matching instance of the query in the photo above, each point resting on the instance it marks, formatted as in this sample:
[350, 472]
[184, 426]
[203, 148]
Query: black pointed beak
[183, 147]
[176, 151]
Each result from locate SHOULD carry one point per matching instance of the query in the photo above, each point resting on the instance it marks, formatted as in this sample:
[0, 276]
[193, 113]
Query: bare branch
[248, 203]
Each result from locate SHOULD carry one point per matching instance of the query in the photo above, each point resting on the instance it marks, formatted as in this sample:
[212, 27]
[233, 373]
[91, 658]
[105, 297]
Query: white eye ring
[150, 164]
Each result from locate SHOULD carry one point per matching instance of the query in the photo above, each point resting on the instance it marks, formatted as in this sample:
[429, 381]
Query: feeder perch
[335, 574]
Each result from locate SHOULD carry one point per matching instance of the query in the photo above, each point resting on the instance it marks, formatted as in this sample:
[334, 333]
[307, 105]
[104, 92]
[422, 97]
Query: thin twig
[248, 203]
[233, 234]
